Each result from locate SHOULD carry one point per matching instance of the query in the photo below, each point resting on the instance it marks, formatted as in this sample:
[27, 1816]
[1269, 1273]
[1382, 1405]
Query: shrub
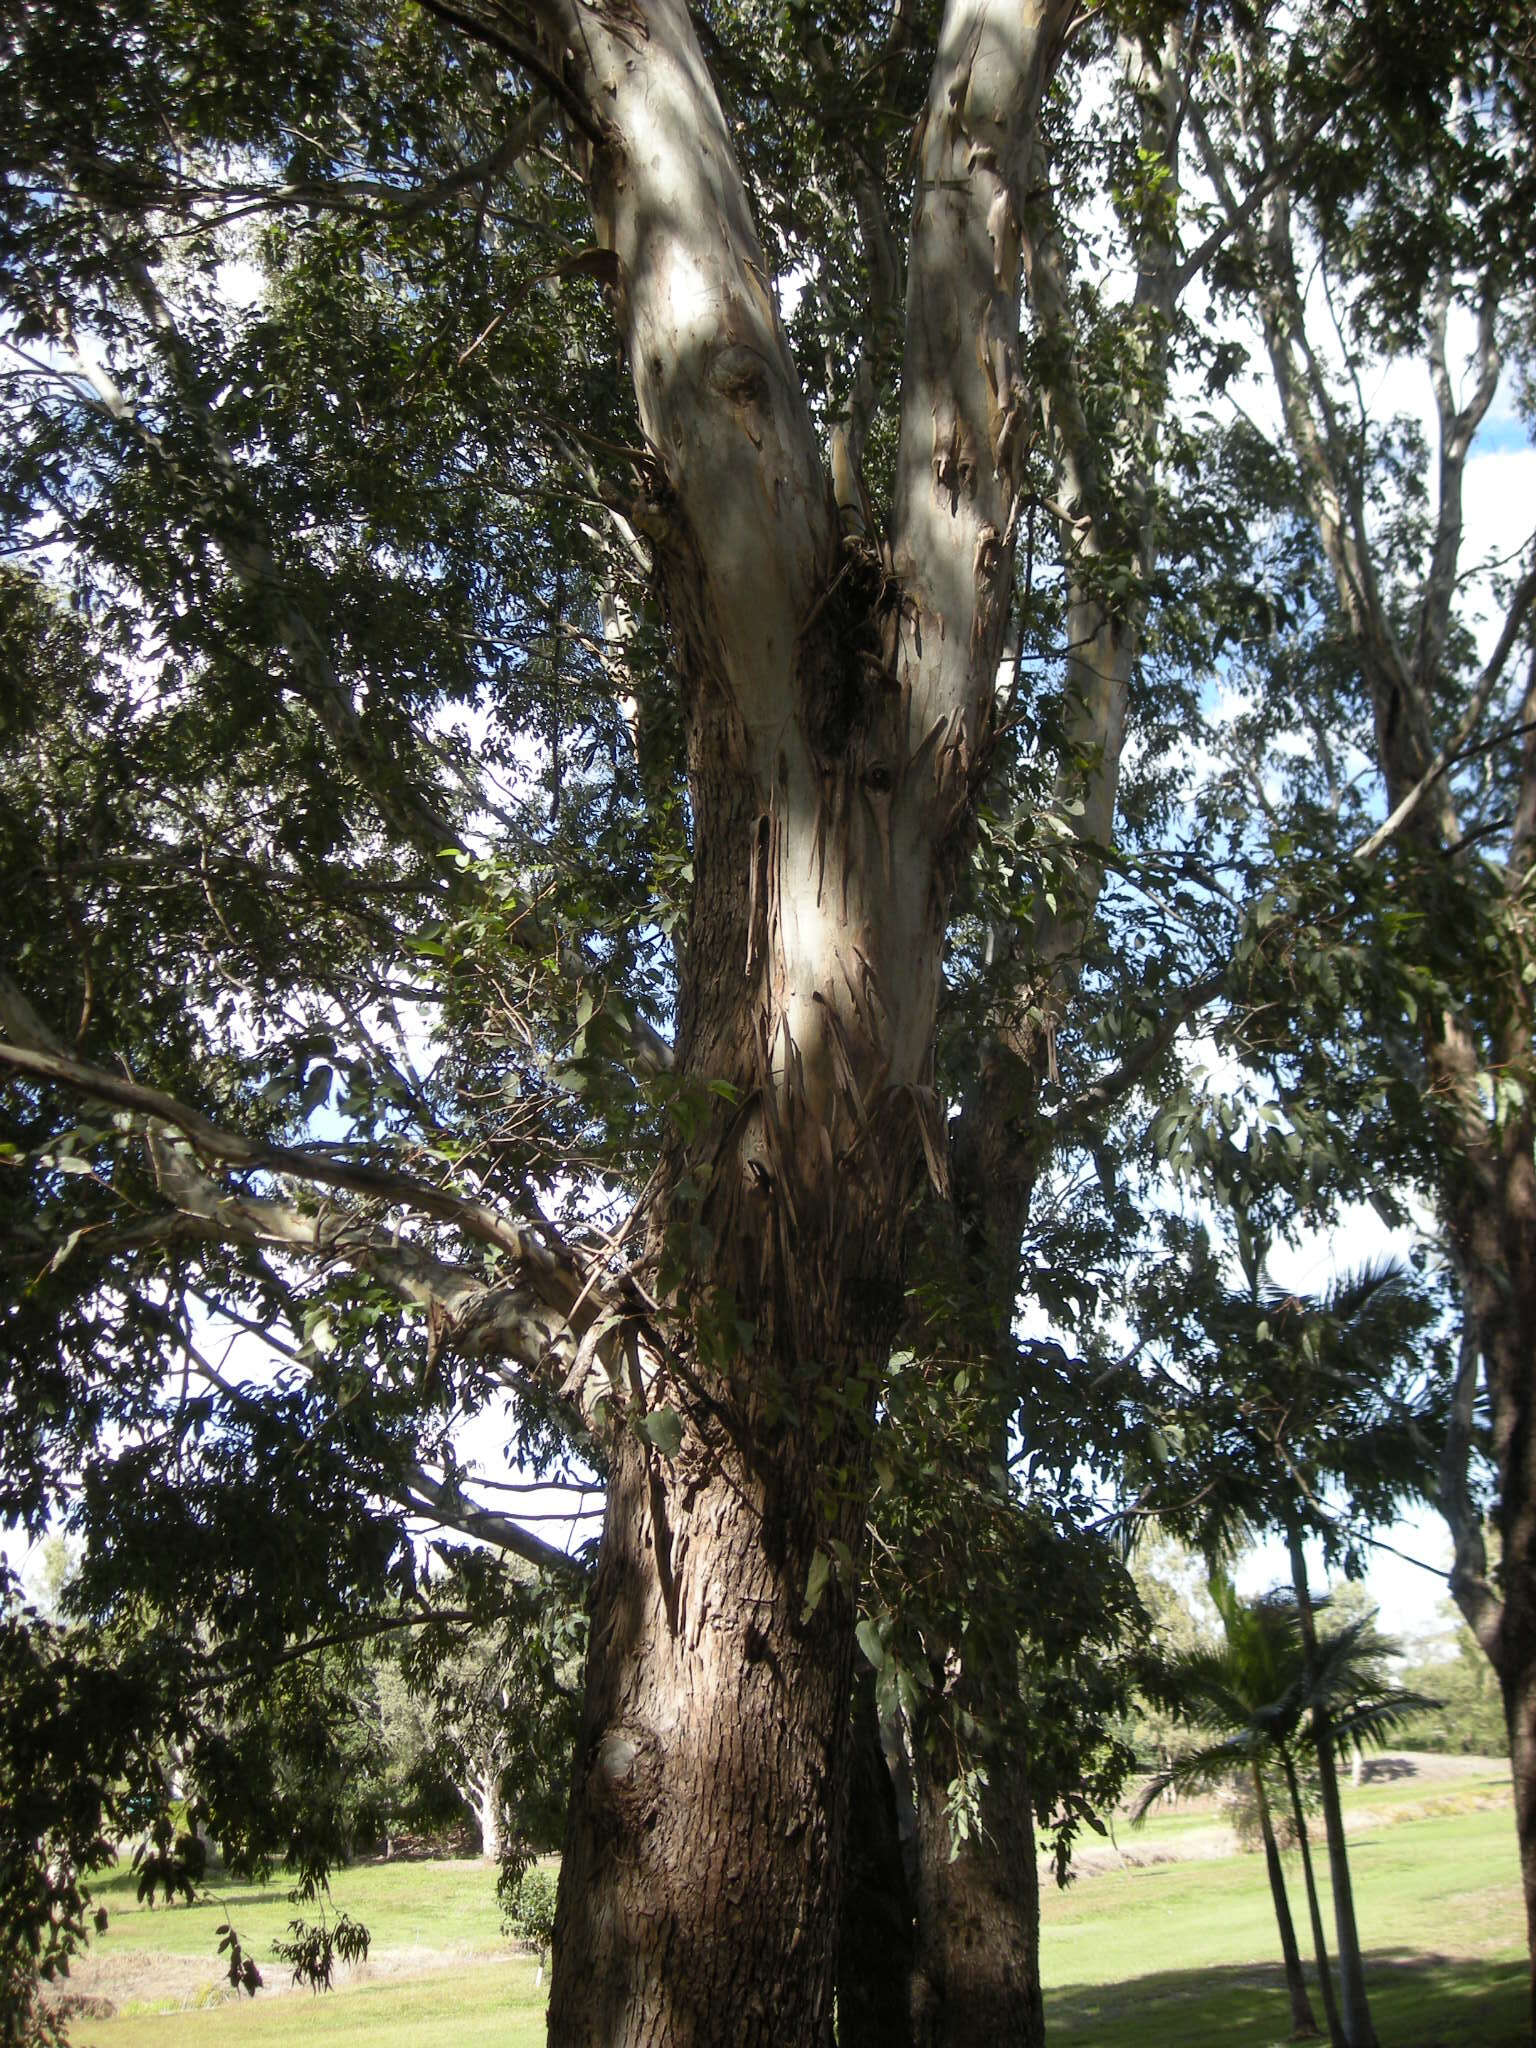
[530, 1910]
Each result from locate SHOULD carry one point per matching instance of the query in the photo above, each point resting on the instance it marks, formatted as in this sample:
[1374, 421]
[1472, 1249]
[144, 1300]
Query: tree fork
[829, 794]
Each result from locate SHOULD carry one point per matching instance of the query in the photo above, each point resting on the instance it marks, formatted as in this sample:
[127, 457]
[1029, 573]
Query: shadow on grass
[120, 1886]
[1417, 2001]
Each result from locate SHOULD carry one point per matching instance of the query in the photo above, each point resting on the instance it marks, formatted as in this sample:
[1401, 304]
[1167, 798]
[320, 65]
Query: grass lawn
[440, 1970]
[487, 2005]
[439, 1906]
[1162, 1956]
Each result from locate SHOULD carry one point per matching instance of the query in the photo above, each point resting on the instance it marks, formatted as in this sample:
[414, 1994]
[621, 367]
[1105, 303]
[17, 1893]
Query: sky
[1411, 1602]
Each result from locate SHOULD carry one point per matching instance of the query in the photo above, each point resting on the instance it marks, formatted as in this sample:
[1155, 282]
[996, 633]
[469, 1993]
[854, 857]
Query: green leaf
[663, 1427]
[867, 1636]
[815, 1583]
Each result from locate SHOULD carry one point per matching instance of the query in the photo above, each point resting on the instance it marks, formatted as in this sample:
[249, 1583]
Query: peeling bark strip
[839, 706]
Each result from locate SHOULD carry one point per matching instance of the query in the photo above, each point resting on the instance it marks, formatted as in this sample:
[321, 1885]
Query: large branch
[1471, 1588]
[548, 1264]
[1458, 425]
[1447, 756]
[964, 405]
[1329, 466]
[718, 394]
[449, 1506]
[997, 1136]
[1106, 516]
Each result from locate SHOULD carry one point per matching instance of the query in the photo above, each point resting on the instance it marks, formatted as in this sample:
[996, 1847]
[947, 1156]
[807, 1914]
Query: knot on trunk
[622, 1781]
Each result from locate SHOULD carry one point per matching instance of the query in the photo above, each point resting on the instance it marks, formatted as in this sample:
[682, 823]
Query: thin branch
[1110, 1087]
[522, 54]
[1487, 682]
[311, 1646]
[1239, 212]
[429, 1496]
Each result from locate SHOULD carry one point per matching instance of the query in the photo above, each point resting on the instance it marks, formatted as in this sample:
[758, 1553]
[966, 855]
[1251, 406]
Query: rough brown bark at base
[1520, 1715]
[698, 1892]
[1492, 1223]
[1510, 1357]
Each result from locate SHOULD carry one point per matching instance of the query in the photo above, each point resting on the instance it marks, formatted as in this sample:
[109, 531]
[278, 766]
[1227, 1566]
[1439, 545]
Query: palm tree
[1280, 1398]
[1244, 1689]
[1266, 1693]
[1332, 1351]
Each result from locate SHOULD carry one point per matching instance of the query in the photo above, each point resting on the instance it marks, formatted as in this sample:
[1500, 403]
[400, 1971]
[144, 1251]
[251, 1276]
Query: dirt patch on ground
[104, 1985]
[1428, 1767]
[1128, 1851]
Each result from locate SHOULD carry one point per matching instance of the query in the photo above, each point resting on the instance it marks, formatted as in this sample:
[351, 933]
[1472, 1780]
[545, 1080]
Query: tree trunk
[1509, 1330]
[697, 1903]
[1303, 2025]
[1494, 1232]
[488, 1808]
[1314, 1911]
[1355, 2011]
[1486, 1180]
[978, 1901]
[1517, 1680]
[838, 705]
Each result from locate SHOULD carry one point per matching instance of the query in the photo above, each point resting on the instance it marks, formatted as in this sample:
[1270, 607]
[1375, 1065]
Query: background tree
[1470, 1716]
[497, 1693]
[1277, 1397]
[1402, 898]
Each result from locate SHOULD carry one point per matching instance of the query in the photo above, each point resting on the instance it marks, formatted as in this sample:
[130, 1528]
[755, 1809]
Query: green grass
[1420, 1886]
[1158, 1957]
[1163, 1956]
[448, 1906]
[1414, 2004]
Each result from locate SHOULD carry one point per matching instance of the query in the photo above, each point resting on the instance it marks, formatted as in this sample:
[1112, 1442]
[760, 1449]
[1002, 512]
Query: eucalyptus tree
[522, 510]
[1401, 905]
[495, 1702]
[295, 477]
